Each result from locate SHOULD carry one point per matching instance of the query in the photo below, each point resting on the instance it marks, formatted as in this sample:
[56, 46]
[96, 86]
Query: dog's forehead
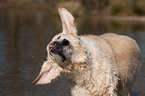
[71, 38]
[64, 36]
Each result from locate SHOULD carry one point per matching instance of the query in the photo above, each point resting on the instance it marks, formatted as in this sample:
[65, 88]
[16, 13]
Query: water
[24, 35]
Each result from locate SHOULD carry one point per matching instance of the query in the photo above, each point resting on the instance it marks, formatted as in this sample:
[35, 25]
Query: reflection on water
[23, 39]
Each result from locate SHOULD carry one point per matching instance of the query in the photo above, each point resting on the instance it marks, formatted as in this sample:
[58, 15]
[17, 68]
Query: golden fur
[104, 65]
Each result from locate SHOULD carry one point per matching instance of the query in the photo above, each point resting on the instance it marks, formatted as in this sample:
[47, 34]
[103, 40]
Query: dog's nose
[54, 46]
[65, 42]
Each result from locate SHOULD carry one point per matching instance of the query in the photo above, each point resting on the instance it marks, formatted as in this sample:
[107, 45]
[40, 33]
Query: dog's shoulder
[121, 43]
[98, 47]
[126, 51]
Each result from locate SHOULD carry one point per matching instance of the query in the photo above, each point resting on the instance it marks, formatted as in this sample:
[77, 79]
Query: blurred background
[27, 26]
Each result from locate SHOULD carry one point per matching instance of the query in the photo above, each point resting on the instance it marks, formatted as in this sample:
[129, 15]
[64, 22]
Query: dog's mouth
[60, 54]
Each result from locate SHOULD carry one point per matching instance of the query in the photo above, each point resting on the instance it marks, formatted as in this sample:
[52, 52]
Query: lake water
[24, 35]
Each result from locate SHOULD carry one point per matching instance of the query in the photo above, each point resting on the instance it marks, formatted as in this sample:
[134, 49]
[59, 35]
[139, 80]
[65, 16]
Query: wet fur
[104, 65]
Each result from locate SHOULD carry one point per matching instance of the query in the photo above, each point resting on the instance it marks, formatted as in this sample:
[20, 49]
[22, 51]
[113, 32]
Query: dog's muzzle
[56, 47]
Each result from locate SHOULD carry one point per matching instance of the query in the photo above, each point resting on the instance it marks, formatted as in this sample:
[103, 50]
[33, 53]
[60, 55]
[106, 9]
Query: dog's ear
[67, 22]
[49, 71]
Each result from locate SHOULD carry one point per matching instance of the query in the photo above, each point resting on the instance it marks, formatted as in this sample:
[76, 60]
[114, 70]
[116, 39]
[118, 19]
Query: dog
[104, 65]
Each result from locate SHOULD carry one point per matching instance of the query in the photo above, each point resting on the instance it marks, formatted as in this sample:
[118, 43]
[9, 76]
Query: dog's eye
[65, 42]
[59, 37]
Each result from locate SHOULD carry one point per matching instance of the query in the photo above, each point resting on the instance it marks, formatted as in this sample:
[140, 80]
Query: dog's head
[65, 52]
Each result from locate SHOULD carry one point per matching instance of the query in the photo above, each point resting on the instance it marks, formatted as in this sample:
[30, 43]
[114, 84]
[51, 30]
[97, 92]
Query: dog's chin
[60, 59]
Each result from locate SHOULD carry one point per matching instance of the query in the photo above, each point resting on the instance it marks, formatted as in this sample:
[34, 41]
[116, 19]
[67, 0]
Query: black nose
[65, 42]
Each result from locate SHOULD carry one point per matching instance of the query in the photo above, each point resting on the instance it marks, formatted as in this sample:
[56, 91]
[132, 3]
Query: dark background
[27, 26]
